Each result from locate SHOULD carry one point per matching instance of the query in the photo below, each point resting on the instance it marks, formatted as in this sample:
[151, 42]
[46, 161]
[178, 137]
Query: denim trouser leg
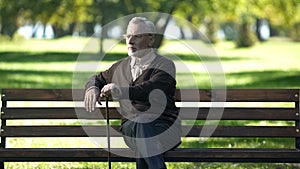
[145, 139]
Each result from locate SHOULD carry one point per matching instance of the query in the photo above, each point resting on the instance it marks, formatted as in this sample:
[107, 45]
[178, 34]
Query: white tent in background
[41, 31]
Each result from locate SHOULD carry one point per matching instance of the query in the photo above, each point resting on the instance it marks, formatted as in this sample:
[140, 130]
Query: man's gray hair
[149, 25]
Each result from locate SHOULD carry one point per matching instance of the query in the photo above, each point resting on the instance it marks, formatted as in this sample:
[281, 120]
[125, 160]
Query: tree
[208, 13]
[68, 16]
[288, 13]
[246, 37]
[9, 16]
[281, 13]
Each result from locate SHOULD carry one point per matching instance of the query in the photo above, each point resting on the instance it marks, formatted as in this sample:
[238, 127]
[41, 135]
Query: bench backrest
[202, 116]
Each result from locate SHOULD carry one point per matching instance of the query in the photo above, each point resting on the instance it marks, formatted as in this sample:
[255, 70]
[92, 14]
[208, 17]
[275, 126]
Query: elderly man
[144, 84]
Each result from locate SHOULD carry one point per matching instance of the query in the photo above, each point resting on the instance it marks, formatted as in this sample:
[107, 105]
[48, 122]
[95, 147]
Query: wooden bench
[15, 108]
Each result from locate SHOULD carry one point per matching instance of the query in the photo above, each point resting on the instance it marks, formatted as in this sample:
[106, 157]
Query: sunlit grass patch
[52, 64]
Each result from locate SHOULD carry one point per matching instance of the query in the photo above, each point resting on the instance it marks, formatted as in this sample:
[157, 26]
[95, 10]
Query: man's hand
[111, 89]
[91, 97]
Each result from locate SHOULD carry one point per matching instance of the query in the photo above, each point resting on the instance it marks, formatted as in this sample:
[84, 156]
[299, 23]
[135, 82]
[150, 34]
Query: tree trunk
[159, 37]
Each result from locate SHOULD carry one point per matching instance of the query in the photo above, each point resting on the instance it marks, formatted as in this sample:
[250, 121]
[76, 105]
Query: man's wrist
[92, 87]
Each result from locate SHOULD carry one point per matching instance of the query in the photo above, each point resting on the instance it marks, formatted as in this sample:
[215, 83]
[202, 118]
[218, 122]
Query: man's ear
[157, 38]
[151, 40]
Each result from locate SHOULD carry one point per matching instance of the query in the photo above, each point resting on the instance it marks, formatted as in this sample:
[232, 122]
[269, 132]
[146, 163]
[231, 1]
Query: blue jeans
[150, 141]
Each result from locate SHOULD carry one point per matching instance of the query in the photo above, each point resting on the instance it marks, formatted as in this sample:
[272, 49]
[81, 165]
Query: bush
[18, 38]
[4, 38]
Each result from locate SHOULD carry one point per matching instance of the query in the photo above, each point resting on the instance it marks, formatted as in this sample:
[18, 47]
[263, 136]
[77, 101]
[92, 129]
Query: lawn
[56, 63]
[68, 62]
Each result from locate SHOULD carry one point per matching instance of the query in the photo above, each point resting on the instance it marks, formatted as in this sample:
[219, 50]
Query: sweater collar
[144, 61]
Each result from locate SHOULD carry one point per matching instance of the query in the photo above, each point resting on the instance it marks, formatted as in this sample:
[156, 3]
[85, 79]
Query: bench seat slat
[58, 131]
[238, 95]
[57, 113]
[187, 113]
[42, 94]
[233, 155]
[188, 131]
[232, 95]
[244, 131]
[124, 154]
[243, 113]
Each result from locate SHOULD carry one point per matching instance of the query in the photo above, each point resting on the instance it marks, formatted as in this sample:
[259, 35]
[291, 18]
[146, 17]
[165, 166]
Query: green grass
[68, 62]
[53, 63]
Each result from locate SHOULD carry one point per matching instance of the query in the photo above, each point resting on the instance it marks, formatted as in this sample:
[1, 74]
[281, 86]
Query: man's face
[137, 40]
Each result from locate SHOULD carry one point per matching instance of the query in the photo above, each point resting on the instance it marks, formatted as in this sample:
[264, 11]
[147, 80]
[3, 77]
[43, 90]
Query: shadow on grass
[63, 79]
[40, 79]
[43, 57]
[243, 80]
[197, 58]
[266, 79]
[73, 56]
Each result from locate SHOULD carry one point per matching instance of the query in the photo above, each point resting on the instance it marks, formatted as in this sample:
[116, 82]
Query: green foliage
[18, 38]
[4, 38]
[67, 15]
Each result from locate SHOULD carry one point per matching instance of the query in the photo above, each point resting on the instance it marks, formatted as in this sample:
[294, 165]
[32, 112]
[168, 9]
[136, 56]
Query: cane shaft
[108, 132]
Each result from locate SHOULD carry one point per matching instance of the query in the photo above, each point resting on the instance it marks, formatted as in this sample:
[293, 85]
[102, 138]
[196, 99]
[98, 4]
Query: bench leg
[1, 165]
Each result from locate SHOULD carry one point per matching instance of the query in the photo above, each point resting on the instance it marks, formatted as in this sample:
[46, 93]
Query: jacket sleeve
[98, 81]
[103, 78]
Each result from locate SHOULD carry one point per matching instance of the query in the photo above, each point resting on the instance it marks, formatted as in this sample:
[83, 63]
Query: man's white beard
[139, 53]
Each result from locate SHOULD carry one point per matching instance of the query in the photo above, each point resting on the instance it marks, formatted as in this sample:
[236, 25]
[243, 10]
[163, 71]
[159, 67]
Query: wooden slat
[262, 95]
[231, 95]
[241, 131]
[57, 113]
[238, 114]
[185, 113]
[188, 131]
[58, 131]
[233, 155]
[43, 94]
[237, 95]
[178, 155]
[39, 113]
[65, 154]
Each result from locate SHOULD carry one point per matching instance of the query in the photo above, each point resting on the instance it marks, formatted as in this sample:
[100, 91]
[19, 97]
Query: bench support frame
[297, 122]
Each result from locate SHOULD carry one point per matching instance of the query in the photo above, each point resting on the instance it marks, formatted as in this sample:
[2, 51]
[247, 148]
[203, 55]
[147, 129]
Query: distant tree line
[67, 16]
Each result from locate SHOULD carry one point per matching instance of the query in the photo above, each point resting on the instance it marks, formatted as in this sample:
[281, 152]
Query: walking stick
[108, 132]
